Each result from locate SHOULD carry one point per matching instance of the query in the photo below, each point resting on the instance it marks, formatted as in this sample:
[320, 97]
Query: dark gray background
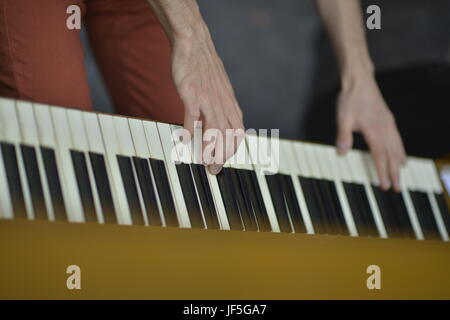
[275, 52]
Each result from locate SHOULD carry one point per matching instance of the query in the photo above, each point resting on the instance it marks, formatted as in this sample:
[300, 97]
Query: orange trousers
[42, 60]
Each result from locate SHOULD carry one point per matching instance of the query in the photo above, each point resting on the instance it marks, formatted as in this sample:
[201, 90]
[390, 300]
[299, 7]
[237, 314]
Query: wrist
[357, 73]
[181, 20]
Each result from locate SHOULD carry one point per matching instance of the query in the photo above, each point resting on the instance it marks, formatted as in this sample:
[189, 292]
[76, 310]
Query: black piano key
[205, 195]
[229, 202]
[444, 210]
[34, 181]
[103, 187]
[425, 215]
[313, 202]
[164, 192]
[147, 191]
[401, 212]
[54, 183]
[358, 216]
[190, 196]
[326, 203]
[245, 205]
[129, 183]
[361, 210]
[262, 217]
[279, 202]
[14, 183]
[339, 218]
[388, 214]
[366, 209]
[84, 185]
[292, 204]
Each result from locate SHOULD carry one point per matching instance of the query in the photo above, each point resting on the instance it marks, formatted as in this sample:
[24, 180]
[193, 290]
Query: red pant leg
[133, 54]
[40, 58]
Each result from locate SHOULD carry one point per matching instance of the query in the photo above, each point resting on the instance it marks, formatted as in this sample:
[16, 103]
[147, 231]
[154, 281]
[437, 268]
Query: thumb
[344, 138]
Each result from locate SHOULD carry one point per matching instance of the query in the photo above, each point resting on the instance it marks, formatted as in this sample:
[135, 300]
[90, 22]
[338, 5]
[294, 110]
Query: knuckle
[193, 112]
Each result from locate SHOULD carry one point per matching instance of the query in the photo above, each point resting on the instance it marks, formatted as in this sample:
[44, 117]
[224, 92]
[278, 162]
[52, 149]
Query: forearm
[181, 19]
[343, 22]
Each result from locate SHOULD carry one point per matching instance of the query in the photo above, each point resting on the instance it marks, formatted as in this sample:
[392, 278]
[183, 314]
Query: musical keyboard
[61, 164]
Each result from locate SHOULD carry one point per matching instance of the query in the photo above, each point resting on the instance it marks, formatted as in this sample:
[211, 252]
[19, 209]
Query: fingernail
[397, 187]
[207, 160]
[214, 169]
[342, 148]
[385, 184]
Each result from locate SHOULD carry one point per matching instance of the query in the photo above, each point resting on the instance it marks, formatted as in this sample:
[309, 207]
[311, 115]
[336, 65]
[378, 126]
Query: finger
[208, 146]
[215, 169]
[381, 165]
[344, 138]
[216, 164]
[212, 146]
[234, 137]
[394, 172]
[379, 154]
[238, 133]
[191, 115]
[400, 149]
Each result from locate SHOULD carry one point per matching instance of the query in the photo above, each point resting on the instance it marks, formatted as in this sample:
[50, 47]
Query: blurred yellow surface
[119, 262]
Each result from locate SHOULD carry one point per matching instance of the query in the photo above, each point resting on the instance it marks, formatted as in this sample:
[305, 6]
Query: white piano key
[112, 150]
[28, 126]
[80, 143]
[289, 166]
[360, 163]
[183, 150]
[6, 207]
[124, 139]
[426, 168]
[241, 159]
[44, 125]
[127, 149]
[185, 156]
[156, 152]
[139, 140]
[302, 160]
[195, 148]
[93, 132]
[153, 140]
[433, 176]
[12, 134]
[342, 167]
[96, 145]
[47, 139]
[258, 158]
[64, 144]
[329, 156]
[310, 158]
[171, 157]
[405, 184]
[197, 158]
[141, 147]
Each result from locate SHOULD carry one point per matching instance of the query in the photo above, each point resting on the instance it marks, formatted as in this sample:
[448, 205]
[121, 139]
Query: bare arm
[360, 106]
[200, 78]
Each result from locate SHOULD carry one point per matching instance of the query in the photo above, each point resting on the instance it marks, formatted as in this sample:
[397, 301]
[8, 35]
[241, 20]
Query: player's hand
[205, 89]
[361, 108]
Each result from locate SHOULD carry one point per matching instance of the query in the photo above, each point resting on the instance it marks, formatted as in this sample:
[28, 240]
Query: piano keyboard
[69, 165]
